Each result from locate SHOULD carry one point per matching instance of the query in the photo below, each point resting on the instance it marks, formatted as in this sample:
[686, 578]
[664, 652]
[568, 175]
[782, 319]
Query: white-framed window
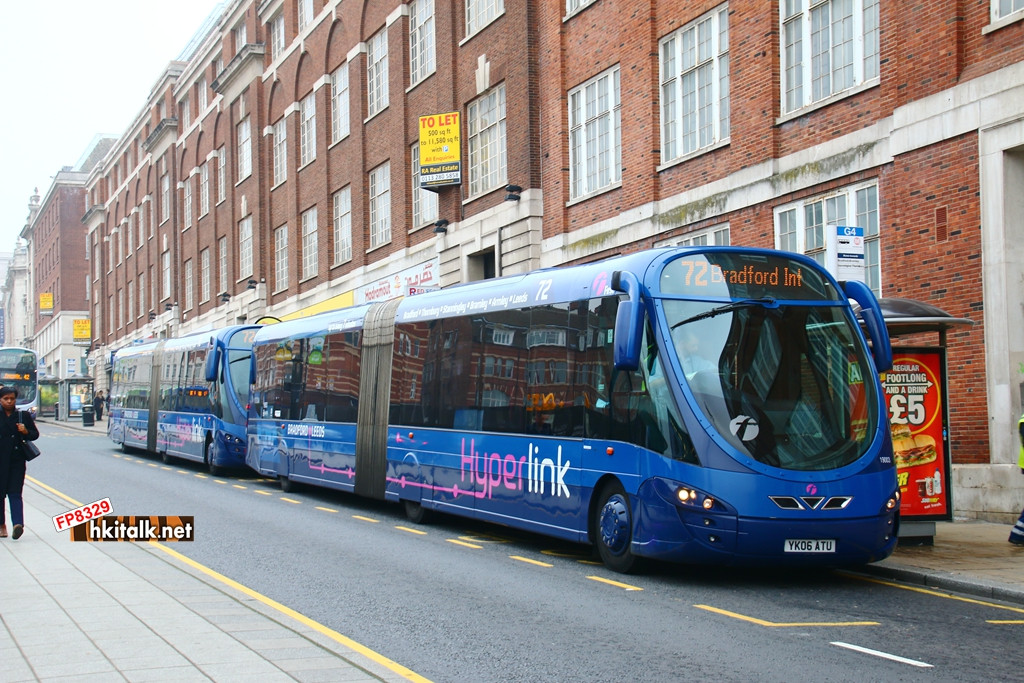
[187, 201]
[717, 235]
[595, 135]
[421, 40]
[479, 13]
[129, 235]
[189, 289]
[828, 47]
[305, 12]
[277, 43]
[695, 104]
[120, 309]
[380, 205]
[241, 36]
[130, 309]
[310, 245]
[222, 174]
[142, 294]
[142, 224]
[222, 264]
[573, 5]
[339, 103]
[281, 151]
[152, 287]
[204, 275]
[165, 265]
[244, 149]
[307, 129]
[186, 113]
[342, 225]
[165, 197]
[204, 189]
[201, 94]
[281, 258]
[424, 202]
[801, 226]
[120, 243]
[245, 247]
[1004, 8]
[377, 73]
[487, 154]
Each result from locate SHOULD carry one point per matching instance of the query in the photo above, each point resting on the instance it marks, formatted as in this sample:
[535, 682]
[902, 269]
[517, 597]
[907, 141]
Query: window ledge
[590, 195]
[694, 154]
[821, 104]
[996, 24]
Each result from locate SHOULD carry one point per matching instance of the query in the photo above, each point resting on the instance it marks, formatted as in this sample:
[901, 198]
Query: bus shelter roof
[908, 316]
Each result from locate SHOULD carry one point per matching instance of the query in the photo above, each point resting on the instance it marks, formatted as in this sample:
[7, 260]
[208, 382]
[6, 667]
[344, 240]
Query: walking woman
[16, 427]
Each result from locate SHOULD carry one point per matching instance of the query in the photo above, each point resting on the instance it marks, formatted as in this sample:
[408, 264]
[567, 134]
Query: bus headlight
[894, 501]
[691, 497]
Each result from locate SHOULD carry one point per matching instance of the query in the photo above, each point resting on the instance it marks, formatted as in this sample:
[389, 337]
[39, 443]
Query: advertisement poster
[915, 390]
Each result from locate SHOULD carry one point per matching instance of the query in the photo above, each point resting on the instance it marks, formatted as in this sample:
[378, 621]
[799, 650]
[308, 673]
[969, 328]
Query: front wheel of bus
[612, 529]
[208, 459]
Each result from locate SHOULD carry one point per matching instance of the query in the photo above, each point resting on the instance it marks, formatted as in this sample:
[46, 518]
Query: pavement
[143, 612]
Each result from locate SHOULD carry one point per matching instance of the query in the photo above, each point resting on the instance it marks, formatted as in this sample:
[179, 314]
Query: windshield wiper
[767, 302]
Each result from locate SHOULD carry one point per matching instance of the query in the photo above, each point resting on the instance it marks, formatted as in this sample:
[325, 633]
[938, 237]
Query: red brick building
[274, 171]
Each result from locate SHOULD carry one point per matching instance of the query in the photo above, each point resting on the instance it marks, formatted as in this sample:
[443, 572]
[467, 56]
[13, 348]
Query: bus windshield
[18, 370]
[239, 353]
[783, 383]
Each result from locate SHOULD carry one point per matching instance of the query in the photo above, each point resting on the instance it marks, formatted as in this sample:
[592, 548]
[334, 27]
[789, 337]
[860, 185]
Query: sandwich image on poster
[911, 450]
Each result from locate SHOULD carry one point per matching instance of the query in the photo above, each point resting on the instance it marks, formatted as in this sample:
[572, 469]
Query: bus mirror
[871, 313]
[252, 367]
[212, 361]
[628, 322]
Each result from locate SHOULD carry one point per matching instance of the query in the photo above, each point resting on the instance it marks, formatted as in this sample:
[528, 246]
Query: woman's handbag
[30, 450]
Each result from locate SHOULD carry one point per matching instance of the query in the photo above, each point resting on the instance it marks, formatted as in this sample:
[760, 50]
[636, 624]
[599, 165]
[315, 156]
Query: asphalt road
[460, 601]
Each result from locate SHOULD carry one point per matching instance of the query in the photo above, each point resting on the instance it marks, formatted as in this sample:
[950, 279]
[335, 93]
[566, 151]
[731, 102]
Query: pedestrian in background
[98, 401]
[1017, 532]
[16, 427]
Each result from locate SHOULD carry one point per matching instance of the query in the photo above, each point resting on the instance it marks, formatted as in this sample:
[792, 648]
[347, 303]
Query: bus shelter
[74, 396]
[915, 392]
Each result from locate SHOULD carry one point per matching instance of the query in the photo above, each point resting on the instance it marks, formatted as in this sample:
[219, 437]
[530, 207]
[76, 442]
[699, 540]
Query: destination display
[744, 276]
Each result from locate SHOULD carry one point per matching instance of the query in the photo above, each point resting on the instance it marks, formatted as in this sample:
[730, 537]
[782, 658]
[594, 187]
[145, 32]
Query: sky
[71, 70]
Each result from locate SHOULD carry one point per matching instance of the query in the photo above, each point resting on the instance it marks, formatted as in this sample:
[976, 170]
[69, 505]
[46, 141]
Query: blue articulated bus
[701, 405]
[184, 397]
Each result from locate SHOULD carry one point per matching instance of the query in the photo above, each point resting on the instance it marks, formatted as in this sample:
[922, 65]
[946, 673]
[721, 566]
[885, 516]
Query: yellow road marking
[365, 519]
[1004, 621]
[291, 500]
[239, 487]
[152, 464]
[529, 561]
[181, 471]
[219, 481]
[411, 531]
[325, 509]
[402, 671]
[777, 624]
[935, 593]
[624, 586]
[264, 493]
[456, 541]
[165, 467]
[201, 476]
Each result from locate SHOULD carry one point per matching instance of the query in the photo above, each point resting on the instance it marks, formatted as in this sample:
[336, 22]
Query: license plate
[810, 545]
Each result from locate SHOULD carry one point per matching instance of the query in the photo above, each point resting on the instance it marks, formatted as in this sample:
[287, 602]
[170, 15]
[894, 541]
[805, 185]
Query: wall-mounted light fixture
[441, 226]
[225, 297]
[152, 316]
[514, 193]
[167, 307]
[251, 285]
